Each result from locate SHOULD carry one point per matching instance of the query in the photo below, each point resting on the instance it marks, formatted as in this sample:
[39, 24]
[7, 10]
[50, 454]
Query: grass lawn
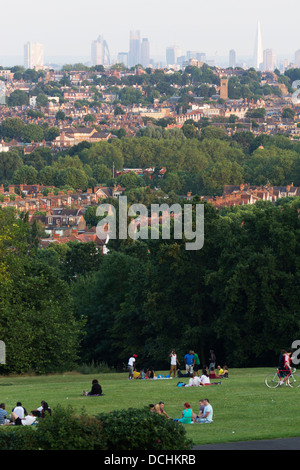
[244, 408]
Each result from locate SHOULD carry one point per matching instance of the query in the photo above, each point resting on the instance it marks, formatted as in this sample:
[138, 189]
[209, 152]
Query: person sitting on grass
[187, 414]
[162, 409]
[201, 409]
[212, 373]
[207, 415]
[194, 381]
[96, 390]
[205, 380]
[26, 421]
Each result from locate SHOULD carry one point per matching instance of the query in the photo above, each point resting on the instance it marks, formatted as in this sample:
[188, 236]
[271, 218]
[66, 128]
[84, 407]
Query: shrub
[66, 431]
[18, 438]
[136, 429]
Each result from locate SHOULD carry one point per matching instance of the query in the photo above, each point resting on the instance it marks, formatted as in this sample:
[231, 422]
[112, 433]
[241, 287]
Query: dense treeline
[239, 294]
[198, 160]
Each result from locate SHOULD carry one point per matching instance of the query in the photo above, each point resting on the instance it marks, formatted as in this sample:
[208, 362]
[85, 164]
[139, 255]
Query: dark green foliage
[66, 431]
[136, 429]
[132, 429]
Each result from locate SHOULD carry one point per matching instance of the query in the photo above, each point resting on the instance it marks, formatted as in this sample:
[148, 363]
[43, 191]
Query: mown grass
[244, 408]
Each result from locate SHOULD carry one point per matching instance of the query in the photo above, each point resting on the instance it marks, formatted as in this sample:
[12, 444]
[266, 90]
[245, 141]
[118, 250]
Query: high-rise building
[123, 58]
[100, 52]
[172, 54]
[232, 58]
[269, 62]
[33, 55]
[134, 48]
[145, 52]
[297, 58]
[258, 49]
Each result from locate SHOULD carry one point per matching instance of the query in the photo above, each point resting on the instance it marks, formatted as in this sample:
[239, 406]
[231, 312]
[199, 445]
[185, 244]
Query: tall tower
[232, 58]
[258, 49]
[100, 52]
[145, 52]
[134, 48]
[224, 88]
[33, 55]
[172, 54]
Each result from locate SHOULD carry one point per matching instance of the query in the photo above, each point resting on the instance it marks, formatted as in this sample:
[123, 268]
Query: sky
[67, 27]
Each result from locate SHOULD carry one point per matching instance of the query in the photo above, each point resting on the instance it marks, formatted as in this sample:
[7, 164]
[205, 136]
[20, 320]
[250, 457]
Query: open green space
[244, 408]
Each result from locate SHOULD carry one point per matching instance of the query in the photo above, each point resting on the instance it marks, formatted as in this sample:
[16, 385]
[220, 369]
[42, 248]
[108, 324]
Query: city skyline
[67, 30]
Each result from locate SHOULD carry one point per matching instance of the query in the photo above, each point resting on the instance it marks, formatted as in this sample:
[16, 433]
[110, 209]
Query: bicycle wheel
[294, 380]
[272, 380]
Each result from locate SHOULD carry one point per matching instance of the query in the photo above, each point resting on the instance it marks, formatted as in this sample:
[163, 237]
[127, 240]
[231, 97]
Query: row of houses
[60, 216]
[247, 194]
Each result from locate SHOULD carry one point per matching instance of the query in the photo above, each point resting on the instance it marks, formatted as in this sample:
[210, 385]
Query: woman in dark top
[96, 389]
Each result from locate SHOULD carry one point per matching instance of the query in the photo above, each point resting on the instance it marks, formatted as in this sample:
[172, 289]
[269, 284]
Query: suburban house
[73, 136]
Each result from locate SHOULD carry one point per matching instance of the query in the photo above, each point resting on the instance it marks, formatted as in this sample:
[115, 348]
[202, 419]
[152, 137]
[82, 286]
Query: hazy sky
[67, 27]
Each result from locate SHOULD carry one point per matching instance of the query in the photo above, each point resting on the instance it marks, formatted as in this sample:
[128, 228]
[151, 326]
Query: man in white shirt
[19, 410]
[131, 365]
[194, 381]
[25, 421]
[207, 416]
[204, 379]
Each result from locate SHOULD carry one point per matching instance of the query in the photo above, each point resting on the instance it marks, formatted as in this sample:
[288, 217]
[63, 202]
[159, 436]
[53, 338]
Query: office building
[134, 49]
[232, 58]
[258, 49]
[33, 55]
[269, 62]
[172, 55]
[123, 58]
[297, 58]
[145, 52]
[100, 52]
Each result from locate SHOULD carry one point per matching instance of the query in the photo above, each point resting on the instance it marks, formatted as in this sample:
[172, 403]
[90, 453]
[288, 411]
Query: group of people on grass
[204, 415]
[192, 368]
[20, 417]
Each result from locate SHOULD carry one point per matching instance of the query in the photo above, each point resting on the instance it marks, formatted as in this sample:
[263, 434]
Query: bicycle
[274, 380]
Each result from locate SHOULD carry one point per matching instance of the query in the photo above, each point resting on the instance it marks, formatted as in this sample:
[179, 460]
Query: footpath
[272, 444]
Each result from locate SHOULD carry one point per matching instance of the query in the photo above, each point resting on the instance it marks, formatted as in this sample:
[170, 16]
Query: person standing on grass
[196, 363]
[131, 366]
[212, 359]
[189, 362]
[174, 363]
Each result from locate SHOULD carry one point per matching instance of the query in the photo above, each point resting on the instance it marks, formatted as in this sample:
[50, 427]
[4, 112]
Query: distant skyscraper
[145, 52]
[297, 58]
[33, 55]
[100, 52]
[232, 58]
[123, 58]
[172, 54]
[134, 48]
[258, 49]
[269, 63]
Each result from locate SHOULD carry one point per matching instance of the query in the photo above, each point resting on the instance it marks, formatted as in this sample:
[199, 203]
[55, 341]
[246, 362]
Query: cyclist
[281, 364]
[286, 366]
